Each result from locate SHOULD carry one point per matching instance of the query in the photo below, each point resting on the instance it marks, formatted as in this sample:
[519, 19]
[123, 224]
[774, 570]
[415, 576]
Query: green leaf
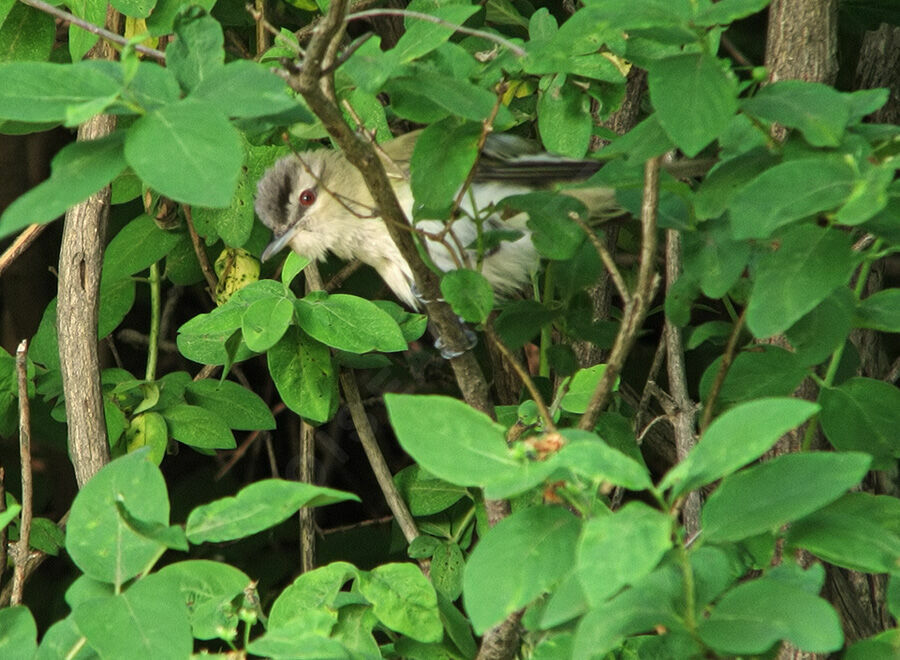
[237, 406]
[349, 323]
[441, 160]
[265, 322]
[447, 563]
[421, 37]
[723, 13]
[860, 532]
[713, 259]
[314, 591]
[354, 631]
[818, 111]
[450, 439]
[469, 294]
[587, 455]
[403, 600]
[862, 414]
[554, 233]
[424, 493]
[880, 311]
[61, 640]
[542, 539]
[260, 505]
[187, 151]
[564, 118]
[18, 632]
[298, 643]
[521, 320]
[821, 331]
[198, 50]
[618, 549]
[764, 497]
[243, 89]
[138, 244]
[208, 589]
[198, 427]
[716, 191]
[433, 96]
[149, 620]
[79, 170]
[134, 8]
[734, 439]
[761, 372]
[81, 41]
[26, 34]
[99, 542]
[43, 92]
[293, 266]
[581, 389]
[756, 614]
[148, 430]
[694, 98]
[805, 265]
[788, 192]
[305, 376]
[168, 536]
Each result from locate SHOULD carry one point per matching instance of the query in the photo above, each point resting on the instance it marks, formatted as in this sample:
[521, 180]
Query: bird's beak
[277, 245]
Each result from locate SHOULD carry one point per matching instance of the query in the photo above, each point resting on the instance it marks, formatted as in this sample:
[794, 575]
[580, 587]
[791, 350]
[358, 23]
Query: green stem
[546, 330]
[153, 338]
[687, 576]
[463, 524]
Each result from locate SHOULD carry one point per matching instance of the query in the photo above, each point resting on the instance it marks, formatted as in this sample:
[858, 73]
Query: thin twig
[207, 269]
[727, 359]
[373, 13]
[636, 309]
[239, 452]
[93, 29]
[23, 242]
[21, 553]
[605, 257]
[3, 537]
[523, 375]
[376, 459]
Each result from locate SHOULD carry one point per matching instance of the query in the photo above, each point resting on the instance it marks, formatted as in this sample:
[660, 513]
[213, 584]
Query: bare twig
[376, 459]
[605, 257]
[523, 375]
[636, 309]
[241, 450]
[21, 554]
[208, 272]
[685, 410]
[23, 242]
[93, 29]
[372, 13]
[727, 359]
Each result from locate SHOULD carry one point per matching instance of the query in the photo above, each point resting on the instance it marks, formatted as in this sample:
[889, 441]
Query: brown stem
[80, 260]
[685, 410]
[727, 359]
[636, 309]
[376, 458]
[605, 257]
[208, 272]
[21, 553]
[523, 375]
[23, 242]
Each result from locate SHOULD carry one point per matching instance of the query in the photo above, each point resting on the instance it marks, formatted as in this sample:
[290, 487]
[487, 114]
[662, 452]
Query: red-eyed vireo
[317, 202]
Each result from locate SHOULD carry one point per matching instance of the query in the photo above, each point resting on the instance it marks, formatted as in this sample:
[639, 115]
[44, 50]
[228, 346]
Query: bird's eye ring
[307, 197]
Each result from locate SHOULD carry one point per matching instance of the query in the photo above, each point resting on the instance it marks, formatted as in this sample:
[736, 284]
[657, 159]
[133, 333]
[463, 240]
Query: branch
[376, 459]
[362, 155]
[23, 242]
[685, 410]
[208, 272]
[605, 257]
[21, 553]
[636, 309]
[80, 259]
[727, 359]
[93, 29]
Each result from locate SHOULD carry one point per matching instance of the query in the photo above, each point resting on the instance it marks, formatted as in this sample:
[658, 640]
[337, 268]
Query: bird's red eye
[307, 197]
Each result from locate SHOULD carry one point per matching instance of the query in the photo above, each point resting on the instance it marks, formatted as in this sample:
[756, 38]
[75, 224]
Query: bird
[317, 202]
